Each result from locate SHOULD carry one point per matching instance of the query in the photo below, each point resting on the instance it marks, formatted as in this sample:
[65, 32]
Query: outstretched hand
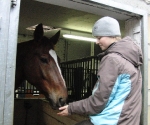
[63, 111]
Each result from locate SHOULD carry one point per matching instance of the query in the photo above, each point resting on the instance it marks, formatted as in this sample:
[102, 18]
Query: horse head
[37, 62]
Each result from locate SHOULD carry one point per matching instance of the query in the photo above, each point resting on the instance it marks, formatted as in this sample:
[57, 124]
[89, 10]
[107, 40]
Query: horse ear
[38, 33]
[55, 38]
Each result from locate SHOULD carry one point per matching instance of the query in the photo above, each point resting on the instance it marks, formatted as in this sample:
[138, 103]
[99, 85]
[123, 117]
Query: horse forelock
[46, 43]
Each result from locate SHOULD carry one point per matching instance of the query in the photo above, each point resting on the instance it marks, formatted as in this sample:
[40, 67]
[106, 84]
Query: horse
[37, 62]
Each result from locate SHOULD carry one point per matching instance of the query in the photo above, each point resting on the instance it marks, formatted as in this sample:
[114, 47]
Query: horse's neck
[22, 50]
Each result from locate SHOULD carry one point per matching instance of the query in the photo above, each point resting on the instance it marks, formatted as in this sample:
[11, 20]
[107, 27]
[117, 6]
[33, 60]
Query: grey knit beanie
[106, 26]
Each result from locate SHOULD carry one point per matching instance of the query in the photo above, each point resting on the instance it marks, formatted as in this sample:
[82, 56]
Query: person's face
[104, 42]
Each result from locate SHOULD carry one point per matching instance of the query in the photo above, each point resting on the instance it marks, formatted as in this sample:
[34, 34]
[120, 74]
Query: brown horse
[37, 63]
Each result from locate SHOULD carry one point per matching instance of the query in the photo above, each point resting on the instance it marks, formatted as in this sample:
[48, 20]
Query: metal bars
[80, 76]
[26, 90]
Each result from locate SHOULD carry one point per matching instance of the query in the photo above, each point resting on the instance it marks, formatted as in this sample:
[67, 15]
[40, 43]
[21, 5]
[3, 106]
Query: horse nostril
[61, 101]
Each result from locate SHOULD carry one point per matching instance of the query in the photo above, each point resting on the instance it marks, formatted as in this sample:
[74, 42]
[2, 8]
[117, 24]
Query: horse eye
[44, 60]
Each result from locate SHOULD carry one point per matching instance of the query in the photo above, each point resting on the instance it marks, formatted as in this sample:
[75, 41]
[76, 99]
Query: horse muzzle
[56, 102]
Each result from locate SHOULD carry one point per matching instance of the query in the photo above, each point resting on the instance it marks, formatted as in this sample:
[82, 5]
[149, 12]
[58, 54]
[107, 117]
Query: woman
[116, 97]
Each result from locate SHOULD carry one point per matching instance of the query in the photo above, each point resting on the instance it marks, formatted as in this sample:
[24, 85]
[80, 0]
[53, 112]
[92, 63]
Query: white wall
[141, 4]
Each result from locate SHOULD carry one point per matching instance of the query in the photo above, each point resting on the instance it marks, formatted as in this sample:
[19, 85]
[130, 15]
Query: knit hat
[106, 26]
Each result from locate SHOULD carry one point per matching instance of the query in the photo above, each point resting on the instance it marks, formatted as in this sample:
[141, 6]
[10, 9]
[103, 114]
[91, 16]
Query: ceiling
[72, 16]
[69, 20]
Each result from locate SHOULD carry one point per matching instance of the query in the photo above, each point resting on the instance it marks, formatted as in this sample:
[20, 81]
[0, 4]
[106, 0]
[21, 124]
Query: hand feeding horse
[37, 63]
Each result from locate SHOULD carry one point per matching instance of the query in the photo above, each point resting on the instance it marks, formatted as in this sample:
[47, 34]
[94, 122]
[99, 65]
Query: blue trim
[110, 115]
[95, 88]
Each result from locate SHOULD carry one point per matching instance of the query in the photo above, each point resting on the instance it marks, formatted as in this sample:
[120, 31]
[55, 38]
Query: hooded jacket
[116, 97]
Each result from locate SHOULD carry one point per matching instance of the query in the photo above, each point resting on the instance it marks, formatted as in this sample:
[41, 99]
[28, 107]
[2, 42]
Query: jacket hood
[128, 49]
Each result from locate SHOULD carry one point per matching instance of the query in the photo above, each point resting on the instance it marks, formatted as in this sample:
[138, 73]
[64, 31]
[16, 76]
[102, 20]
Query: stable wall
[141, 4]
[149, 72]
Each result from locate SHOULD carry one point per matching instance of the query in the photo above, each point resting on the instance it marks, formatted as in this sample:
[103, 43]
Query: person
[116, 98]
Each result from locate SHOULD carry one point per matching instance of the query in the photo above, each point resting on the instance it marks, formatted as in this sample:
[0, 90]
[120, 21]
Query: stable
[135, 21]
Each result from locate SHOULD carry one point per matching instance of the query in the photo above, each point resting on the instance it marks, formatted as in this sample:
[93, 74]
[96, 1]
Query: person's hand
[64, 111]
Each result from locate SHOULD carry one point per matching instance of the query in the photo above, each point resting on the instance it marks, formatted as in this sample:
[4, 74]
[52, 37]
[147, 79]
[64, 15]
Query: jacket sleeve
[107, 75]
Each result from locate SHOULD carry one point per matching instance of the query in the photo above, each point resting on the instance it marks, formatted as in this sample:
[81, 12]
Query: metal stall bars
[80, 76]
[26, 90]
